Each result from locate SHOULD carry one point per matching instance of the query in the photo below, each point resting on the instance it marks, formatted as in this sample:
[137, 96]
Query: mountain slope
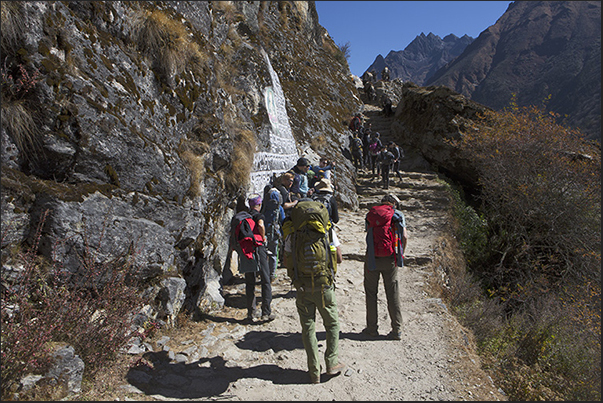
[534, 50]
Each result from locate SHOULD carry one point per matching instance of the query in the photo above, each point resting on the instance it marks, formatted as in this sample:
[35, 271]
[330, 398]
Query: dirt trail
[224, 358]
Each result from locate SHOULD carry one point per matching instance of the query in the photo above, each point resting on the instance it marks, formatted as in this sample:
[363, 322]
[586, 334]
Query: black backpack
[324, 198]
[386, 157]
[356, 144]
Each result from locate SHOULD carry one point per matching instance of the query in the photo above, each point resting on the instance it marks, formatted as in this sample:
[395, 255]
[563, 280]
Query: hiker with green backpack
[312, 252]
[386, 240]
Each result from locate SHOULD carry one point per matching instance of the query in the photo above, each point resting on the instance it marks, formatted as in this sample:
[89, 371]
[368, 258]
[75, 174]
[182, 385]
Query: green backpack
[310, 260]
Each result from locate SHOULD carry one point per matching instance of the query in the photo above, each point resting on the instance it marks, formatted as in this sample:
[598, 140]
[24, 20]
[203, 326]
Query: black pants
[374, 164]
[357, 159]
[264, 281]
[396, 169]
[385, 175]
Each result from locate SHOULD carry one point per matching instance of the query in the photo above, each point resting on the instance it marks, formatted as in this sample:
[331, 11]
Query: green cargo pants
[307, 302]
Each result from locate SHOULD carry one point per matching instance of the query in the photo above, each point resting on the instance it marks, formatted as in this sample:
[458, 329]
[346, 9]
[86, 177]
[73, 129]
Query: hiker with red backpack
[355, 123]
[386, 240]
[248, 238]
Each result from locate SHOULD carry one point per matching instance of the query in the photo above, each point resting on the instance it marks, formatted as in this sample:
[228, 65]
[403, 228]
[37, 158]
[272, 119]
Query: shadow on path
[197, 379]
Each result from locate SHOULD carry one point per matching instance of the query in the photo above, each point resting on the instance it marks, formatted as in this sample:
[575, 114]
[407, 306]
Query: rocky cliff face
[536, 49]
[140, 125]
[425, 55]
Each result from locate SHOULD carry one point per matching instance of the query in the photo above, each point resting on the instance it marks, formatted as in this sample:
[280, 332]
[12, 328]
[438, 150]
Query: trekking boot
[370, 333]
[268, 318]
[337, 369]
[251, 316]
[394, 335]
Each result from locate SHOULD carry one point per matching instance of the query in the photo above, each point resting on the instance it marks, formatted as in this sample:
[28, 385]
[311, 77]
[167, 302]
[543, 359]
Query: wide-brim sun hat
[324, 185]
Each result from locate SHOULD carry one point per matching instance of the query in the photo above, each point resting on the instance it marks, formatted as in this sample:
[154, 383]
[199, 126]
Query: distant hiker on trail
[248, 236]
[312, 252]
[355, 123]
[386, 102]
[385, 74]
[366, 138]
[367, 77]
[324, 194]
[385, 160]
[300, 181]
[375, 147]
[356, 151]
[369, 92]
[398, 153]
[386, 240]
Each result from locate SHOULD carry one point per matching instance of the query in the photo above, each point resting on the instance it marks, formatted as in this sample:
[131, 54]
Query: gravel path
[223, 358]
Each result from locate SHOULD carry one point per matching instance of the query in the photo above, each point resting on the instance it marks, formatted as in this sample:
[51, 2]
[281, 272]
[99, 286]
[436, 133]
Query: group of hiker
[292, 224]
[368, 151]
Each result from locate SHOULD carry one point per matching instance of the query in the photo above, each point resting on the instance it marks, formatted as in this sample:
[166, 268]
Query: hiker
[324, 169]
[356, 151]
[369, 91]
[355, 123]
[386, 102]
[375, 147]
[386, 240]
[324, 194]
[308, 234]
[253, 261]
[385, 74]
[385, 160]
[274, 215]
[300, 180]
[284, 184]
[366, 137]
[398, 153]
[367, 77]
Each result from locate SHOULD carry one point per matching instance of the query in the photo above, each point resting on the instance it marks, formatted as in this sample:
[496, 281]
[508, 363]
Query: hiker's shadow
[264, 341]
[204, 378]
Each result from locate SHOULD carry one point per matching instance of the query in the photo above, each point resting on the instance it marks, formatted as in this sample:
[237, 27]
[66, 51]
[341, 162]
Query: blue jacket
[399, 224]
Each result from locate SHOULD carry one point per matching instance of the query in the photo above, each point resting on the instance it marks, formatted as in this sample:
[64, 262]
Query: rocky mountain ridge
[420, 60]
[536, 49]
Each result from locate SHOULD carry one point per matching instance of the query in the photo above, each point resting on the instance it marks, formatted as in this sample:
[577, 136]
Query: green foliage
[472, 229]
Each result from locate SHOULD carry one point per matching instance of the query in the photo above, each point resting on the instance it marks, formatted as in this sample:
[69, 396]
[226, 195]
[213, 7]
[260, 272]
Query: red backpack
[243, 228]
[380, 220]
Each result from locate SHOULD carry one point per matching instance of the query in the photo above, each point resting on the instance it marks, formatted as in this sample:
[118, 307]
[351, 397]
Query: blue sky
[378, 27]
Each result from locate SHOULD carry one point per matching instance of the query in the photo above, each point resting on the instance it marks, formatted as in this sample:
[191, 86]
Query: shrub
[541, 195]
[540, 270]
[91, 310]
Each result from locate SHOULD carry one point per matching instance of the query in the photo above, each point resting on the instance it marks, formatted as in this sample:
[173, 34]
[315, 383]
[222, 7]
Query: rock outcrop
[138, 125]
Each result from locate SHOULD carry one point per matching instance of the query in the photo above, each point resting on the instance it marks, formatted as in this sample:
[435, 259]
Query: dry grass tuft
[242, 160]
[22, 128]
[167, 42]
[192, 154]
[11, 15]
